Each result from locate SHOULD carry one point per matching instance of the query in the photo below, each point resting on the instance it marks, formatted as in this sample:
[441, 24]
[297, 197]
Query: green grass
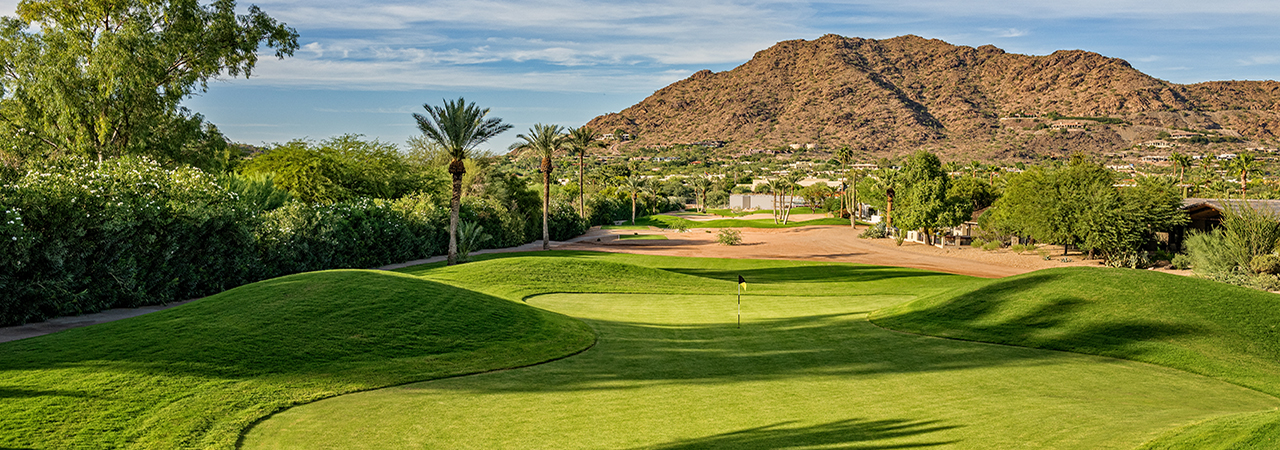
[730, 213]
[806, 370]
[1199, 326]
[198, 375]
[669, 370]
[642, 237]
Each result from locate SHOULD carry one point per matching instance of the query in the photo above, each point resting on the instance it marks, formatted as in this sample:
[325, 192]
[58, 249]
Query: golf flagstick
[742, 283]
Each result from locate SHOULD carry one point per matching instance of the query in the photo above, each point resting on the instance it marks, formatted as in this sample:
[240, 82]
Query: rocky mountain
[893, 96]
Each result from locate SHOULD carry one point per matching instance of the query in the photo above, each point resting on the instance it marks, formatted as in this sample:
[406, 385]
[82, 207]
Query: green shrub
[1266, 282]
[471, 236]
[1130, 260]
[1247, 233]
[729, 236]
[681, 224]
[126, 232]
[1180, 261]
[991, 246]
[877, 231]
[978, 243]
[1209, 253]
[1265, 264]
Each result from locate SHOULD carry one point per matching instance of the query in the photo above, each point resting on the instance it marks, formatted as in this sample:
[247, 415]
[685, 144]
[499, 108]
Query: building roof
[1197, 206]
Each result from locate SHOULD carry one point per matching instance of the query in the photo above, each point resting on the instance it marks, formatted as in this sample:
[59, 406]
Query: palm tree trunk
[582, 193]
[546, 202]
[455, 203]
[853, 199]
[633, 207]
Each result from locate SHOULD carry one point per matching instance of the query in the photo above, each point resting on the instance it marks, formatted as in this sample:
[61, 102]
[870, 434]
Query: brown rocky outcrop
[895, 95]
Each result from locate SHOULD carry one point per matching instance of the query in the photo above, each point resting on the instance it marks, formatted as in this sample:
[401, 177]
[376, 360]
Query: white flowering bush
[125, 232]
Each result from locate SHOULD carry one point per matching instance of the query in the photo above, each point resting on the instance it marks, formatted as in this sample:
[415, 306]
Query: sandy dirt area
[829, 243]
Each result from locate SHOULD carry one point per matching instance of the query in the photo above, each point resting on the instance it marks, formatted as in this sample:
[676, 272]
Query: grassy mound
[198, 375]
[673, 369]
[1209, 328]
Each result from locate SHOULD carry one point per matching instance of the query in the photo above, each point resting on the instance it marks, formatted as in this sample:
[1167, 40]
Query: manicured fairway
[806, 370]
[198, 375]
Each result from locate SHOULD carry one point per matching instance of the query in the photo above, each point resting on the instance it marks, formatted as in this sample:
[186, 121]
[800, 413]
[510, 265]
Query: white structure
[747, 202]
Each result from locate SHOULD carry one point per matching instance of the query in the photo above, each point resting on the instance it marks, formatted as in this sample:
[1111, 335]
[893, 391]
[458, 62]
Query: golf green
[674, 371]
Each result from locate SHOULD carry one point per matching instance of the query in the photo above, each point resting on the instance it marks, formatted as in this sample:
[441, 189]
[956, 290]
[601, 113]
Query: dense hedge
[79, 237]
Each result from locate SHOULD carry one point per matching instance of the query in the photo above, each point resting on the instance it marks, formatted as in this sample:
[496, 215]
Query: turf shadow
[1001, 312]
[631, 355]
[851, 433]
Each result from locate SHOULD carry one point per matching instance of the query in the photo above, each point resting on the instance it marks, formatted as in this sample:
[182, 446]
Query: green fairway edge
[1198, 326]
[201, 374]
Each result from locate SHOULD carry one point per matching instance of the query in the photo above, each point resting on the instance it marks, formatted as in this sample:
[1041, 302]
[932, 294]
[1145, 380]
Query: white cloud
[1261, 60]
[407, 75]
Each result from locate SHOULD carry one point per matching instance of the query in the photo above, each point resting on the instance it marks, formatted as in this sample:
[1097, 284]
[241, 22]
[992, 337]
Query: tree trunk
[633, 208]
[455, 203]
[853, 199]
[546, 202]
[582, 192]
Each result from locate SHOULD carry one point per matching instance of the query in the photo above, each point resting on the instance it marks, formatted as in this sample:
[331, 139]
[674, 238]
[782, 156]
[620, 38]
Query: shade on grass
[806, 369]
[197, 375]
[1199, 326]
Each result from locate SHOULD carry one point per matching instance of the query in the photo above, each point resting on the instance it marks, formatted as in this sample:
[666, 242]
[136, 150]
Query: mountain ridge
[898, 94]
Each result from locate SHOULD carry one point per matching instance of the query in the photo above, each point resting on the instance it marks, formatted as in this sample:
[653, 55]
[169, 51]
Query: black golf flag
[742, 282]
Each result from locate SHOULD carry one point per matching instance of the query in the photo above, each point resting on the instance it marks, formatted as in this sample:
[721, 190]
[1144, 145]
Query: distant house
[749, 202]
[1206, 214]
[1182, 134]
[712, 144]
[1159, 144]
[1155, 158]
[1227, 156]
[1077, 125]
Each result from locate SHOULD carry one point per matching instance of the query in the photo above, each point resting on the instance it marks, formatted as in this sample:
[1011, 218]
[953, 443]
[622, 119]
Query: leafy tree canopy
[104, 78]
[344, 168]
[922, 201]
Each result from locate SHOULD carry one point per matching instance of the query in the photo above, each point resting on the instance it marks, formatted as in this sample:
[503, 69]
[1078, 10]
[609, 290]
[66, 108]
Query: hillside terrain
[892, 96]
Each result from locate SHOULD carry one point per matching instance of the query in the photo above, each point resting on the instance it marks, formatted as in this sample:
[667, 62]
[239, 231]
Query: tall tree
[106, 78]
[700, 186]
[1182, 163]
[924, 203]
[1242, 165]
[580, 140]
[544, 141]
[633, 184]
[459, 127]
[845, 156]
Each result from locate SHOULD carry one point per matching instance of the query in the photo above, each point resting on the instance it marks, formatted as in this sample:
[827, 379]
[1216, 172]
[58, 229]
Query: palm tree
[544, 140]
[579, 140]
[790, 183]
[458, 127]
[845, 156]
[1182, 162]
[633, 184]
[700, 185]
[1244, 163]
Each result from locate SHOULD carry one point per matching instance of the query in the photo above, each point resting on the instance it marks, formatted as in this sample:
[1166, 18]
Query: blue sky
[366, 66]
